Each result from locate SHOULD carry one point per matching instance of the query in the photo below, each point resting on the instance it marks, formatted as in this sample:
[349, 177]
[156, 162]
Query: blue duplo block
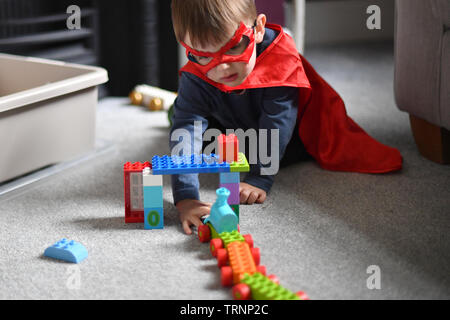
[196, 163]
[153, 197]
[67, 250]
[153, 218]
[230, 177]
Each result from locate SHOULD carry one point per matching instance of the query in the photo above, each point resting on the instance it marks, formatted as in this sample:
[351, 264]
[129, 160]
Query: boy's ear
[260, 28]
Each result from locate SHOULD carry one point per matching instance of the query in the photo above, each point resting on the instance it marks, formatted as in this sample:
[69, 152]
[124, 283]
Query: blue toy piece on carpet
[66, 250]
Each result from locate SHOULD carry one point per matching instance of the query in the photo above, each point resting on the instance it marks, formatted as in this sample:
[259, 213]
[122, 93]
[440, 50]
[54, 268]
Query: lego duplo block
[67, 250]
[230, 177]
[234, 197]
[229, 237]
[151, 180]
[153, 218]
[222, 217]
[134, 199]
[188, 164]
[153, 197]
[228, 148]
[241, 260]
[264, 289]
[241, 165]
[235, 208]
[214, 233]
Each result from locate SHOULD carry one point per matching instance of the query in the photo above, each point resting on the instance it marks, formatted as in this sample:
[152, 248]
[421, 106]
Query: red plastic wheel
[222, 257]
[226, 276]
[273, 278]
[302, 295]
[256, 255]
[241, 291]
[215, 245]
[249, 239]
[204, 233]
[261, 269]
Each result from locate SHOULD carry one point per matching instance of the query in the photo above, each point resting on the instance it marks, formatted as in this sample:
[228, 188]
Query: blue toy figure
[222, 217]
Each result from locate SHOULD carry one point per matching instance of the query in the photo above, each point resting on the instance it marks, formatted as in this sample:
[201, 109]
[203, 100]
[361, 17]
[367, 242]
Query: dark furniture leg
[432, 141]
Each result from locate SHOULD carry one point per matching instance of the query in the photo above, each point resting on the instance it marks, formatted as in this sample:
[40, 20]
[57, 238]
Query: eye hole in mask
[235, 51]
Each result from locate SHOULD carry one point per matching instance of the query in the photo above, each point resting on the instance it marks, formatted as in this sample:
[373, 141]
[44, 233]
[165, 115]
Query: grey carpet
[318, 231]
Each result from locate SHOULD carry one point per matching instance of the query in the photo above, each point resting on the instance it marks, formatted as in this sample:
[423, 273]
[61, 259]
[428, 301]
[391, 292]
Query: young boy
[244, 74]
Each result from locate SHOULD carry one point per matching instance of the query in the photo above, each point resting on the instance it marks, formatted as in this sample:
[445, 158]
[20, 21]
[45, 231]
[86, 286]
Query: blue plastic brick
[222, 217]
[153, 197]
[153, 218]
[230, 177]
[67, 250]
[188, 164]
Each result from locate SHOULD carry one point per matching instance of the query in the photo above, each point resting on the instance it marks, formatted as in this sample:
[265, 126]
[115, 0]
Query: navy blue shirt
[261, 108]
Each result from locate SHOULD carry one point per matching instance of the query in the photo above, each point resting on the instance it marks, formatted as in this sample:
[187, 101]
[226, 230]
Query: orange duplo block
[228, 148]
[241, 260]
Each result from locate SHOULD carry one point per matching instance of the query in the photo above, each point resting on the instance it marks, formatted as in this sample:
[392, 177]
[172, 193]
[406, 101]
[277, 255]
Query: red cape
[327, 132]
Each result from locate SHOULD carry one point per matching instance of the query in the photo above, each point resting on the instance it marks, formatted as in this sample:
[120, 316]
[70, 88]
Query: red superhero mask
[239, 49]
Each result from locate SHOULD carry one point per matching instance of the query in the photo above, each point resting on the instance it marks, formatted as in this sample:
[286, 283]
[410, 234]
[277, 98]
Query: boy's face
[232, 74]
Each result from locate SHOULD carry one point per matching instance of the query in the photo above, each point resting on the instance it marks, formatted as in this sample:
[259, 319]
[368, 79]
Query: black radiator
[133, 40]
[38, 28]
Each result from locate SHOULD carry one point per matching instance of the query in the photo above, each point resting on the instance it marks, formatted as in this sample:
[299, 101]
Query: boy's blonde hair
[210, 21]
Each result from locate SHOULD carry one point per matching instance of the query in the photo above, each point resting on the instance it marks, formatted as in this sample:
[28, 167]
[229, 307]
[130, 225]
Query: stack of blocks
[152, 189]
[228, 152]
[143, 182]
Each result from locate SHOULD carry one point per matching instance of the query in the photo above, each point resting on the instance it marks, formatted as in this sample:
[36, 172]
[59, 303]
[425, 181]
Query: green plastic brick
[264, 289]
[235, 208]
[214, 233]
[241, 165]
[228, 237]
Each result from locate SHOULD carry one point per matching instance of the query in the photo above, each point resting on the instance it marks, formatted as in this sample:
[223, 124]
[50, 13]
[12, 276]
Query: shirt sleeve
[278, 111]
[190, 112]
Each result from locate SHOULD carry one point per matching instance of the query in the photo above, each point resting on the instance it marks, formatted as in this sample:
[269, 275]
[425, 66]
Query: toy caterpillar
[237, 258]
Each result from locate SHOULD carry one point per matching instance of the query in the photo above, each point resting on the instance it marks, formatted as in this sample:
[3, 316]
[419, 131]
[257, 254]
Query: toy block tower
[228, 152]
[152, 190]
[134, 199]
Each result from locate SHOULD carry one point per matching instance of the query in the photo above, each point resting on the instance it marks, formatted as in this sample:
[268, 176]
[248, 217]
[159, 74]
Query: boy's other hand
[250, 194]
[190, 213]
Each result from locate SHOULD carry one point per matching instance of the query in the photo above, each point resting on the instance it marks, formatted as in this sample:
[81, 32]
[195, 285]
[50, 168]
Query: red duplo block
[228, 148]
[132, 183]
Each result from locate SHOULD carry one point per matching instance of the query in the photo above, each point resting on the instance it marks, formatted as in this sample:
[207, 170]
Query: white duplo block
[150, 180]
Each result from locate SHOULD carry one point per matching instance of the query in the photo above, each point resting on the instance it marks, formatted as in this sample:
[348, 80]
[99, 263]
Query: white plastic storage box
[47, 112]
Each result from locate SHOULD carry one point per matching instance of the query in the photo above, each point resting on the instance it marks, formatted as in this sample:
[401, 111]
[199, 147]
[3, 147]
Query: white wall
[334, 21]
[328, 22]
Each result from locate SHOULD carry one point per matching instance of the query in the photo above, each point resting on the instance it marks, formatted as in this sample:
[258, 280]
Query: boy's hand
[190, 213]
[250, 194]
